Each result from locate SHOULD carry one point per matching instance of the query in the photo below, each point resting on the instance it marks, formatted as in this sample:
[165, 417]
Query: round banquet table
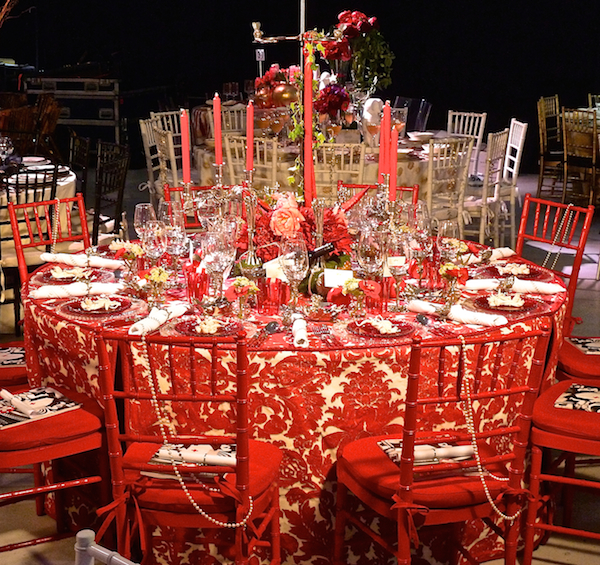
[306, 401]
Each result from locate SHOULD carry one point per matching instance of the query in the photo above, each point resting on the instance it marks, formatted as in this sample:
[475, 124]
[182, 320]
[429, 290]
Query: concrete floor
[19, 521]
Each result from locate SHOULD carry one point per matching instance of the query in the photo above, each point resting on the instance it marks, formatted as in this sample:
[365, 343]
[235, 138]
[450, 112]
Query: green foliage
[372, 61]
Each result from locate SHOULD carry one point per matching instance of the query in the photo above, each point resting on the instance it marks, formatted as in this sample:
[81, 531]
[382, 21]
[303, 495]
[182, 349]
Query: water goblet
[144, 212]
[447, 240]
[218, 252]
[171, 213]
[294, 263]
[154, 240]
[371, 252]
[397, 263]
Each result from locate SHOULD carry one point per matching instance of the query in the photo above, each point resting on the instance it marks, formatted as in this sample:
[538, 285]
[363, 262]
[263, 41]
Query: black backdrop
[498, 57]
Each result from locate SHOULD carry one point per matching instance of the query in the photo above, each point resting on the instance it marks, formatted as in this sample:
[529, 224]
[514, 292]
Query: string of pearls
[568, 214]
[160, 418]
[56, 220]
[470, 419]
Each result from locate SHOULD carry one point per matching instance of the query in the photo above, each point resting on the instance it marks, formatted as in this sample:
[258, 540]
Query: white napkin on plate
[459, 314]
[74, 289]
[520, 286]
[420, 306]
[82, 260]
[299, 332]
[157, 317]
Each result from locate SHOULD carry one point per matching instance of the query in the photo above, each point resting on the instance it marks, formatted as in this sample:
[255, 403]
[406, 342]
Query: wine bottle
[319, 252]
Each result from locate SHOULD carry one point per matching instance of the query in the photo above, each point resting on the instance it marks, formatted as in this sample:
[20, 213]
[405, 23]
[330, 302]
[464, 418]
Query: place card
[336, 277]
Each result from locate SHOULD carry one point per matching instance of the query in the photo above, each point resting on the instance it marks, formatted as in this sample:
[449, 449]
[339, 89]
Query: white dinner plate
[35, 161]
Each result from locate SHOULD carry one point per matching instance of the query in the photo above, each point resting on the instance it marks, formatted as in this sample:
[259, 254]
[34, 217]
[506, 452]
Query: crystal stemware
[371, 252]
[154, 240]
[144, 212]
[218, 252]
[447, 238]
[171, 213]
[397, 263]
[294, 263]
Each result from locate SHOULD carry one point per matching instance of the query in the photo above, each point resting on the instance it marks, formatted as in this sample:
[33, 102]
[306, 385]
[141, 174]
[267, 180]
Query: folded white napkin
[420, 306]
[82, 260]
[520, 286]
[497, 254]
[74, 289]
[299, 333]
[459, 314]
[157, 317]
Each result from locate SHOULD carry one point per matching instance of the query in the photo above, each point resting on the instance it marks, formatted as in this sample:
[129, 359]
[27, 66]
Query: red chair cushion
[366, 462]
[574, 362]
[13, 370]
[564, 421]
[54, 429]
[167, 494]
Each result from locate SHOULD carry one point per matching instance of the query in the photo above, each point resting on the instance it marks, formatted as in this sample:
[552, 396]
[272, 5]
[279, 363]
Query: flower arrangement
[287, 218]
[371, 55]
[126, 250]
[157, 278]
[452, 272]
[277, 87]
[332, 99]
[240, 290]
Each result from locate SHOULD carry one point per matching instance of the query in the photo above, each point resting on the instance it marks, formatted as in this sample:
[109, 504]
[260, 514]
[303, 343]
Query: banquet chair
[406, 481]
[79, 159]
[448, 169]
[233, 120]
[347, 191]
[166, 157]
[58, 439]
[203, 384]
[480, 199]
[111, 174]
[418, 112]
[507, 190]
[593, 100]
[13, 366]
[580, 158]
[471, 124]
[550, 145]
[154, 184]
[564, 435]
[266, 160]
[562, 231]
[171, 121]
[337, 161]
[43, 226]
[20, 188]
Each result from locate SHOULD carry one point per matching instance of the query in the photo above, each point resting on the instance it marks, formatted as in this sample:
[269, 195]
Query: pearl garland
[55, 226]
[160, 418]
[560, 230]
[470, 419]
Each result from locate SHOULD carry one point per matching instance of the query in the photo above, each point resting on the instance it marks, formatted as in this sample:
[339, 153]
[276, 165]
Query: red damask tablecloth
[308, 402]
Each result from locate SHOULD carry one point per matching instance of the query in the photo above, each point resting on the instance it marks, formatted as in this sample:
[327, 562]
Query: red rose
[345, 17]
[374, 23]
[358, 17]
[364, 26]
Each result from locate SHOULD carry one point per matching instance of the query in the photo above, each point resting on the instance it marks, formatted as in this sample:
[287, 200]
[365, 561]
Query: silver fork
[325, 335]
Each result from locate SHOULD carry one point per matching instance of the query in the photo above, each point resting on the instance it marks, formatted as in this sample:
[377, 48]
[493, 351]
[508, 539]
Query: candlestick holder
[219, 176]
[187, 200]
[250, 264]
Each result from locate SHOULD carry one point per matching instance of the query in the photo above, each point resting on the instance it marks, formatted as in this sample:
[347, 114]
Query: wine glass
[294, 263]
[218, 252]
[447, 240]
[334, 127]
[144, 212]
[397, 263]
[373, 129]
[171, 213]
[371, 252]
[154, 240]
[398, 119]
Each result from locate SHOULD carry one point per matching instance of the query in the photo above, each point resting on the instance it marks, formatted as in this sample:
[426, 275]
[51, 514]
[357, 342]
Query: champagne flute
[218, 251]
[294, 263]
[154, 240]
[171, 213]
[144, 212]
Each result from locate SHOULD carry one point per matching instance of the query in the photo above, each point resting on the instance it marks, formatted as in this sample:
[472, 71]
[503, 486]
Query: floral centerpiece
[358, 40]
[277, 87]
[360, 290]
[286, 218]
[332, 99]
[130, 253]
[157, 278]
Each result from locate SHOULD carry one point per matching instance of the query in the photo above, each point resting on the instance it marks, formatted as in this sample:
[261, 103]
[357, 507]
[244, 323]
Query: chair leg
[534, 503]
